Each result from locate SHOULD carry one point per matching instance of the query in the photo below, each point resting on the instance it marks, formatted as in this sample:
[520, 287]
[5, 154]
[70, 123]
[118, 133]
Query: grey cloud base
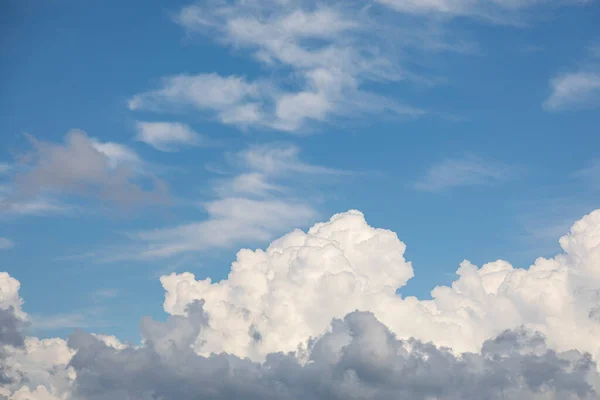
[11, 334]
[359, 358]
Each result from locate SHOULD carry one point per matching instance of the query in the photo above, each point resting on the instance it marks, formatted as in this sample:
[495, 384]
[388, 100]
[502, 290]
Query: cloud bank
[316, 316]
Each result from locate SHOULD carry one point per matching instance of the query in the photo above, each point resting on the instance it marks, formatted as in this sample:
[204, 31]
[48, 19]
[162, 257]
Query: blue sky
[153, 137]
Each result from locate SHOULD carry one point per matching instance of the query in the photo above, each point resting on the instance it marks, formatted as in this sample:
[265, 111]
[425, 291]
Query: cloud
[251, 183]
[469, 171]
[167, 136]
[231, 98]
[278, 159]
[230, 221]
[574, 90]
[9, 294]
[35, 207]
[316, 316]
[11, 334]
[39, 370]
[292, 290]
[319, 57]
[590, 174]
[84, 167]
[60, 321]
[251, 205]
[498, 11]
[358, 358]
[11, 328]
[12, 323]
[6, 244]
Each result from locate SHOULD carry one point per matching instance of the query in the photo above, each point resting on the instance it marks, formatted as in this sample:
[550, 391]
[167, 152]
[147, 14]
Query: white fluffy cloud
[9, 294]
[521, 333]
[39, 370]
[574, 90]
[167, 136]
[293, 289]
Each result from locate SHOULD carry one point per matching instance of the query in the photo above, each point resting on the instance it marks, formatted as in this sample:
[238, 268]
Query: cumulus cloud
[463, 172]
[316, 316]
[30, 368]
[167, 136]
[84, 167]
[574, 90]
[39, 370]
[9, 294]
[358, 358]
[12, 323]
[292, 290]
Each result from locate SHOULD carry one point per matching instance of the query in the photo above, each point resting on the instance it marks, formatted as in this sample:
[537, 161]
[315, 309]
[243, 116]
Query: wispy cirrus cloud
[168, 136]
[320, 57]
[574, 90]
[251, 205]
[230, 98]
[6, 243]
[53, 322]
[578, 88]
[468, 171]
[497, 11]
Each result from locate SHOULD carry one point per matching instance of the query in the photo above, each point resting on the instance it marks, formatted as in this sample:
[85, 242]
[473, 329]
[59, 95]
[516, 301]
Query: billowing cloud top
[316, 316]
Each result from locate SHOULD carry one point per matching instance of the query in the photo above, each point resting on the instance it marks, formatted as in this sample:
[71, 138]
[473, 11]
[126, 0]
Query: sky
[322, 156]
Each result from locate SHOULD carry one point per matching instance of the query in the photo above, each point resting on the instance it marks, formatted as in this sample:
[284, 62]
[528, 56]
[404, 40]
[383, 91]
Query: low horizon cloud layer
[316, 316]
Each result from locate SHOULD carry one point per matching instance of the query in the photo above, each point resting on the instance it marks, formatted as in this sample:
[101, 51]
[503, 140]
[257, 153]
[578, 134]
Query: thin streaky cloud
[469, 171]
[168, 136]
[6, 243]
[574, 90]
